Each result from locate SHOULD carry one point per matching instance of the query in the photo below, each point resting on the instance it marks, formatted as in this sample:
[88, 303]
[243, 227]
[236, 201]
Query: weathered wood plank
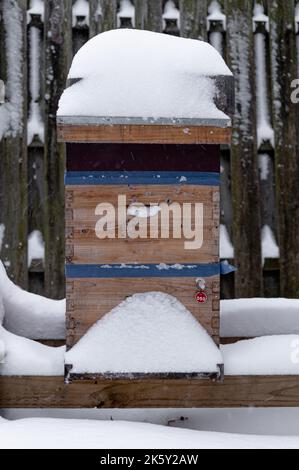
[108, 10]
[286, 125]
[194, 19]
[51, 392]
[244, 159]
[13, 147]
[140, 13]
[148, 15]
[88, 300]
[94, 18]
[144, 134]
[58, 18]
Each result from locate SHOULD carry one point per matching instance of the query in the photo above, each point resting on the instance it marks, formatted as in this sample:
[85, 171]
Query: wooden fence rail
[260, 173]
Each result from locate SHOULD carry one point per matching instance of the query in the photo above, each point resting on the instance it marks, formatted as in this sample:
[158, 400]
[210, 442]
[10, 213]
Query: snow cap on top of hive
[132, 73]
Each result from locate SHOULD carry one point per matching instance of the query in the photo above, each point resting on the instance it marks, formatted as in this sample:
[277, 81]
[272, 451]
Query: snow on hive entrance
[151, 333]
[134, 73]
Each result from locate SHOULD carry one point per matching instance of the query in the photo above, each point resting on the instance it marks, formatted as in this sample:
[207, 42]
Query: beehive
[153, 164]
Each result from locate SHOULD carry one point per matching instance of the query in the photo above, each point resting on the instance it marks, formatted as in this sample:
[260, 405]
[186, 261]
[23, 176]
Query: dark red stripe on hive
[143, 157]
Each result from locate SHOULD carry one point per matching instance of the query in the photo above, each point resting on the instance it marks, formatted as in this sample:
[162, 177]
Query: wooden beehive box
[151, 164]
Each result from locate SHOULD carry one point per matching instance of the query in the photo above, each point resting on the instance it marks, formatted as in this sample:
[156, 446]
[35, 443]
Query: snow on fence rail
[43, 39]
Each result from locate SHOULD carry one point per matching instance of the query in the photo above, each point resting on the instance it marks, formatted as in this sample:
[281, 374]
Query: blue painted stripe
[141, 177]
[140, 271]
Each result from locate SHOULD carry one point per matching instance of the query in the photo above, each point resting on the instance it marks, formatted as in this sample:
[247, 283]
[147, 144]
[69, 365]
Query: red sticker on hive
[201, 297]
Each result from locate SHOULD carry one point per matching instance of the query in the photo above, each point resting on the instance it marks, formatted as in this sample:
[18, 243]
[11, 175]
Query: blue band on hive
[145, 270]
[141, 177]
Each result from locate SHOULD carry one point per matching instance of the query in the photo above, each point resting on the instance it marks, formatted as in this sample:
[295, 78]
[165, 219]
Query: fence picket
[194, 19]
[58, 18]
[286, 125]
[244, 161]
[13, 147]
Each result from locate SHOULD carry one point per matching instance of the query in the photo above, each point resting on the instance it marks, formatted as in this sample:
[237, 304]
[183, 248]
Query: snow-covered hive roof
[140, 74]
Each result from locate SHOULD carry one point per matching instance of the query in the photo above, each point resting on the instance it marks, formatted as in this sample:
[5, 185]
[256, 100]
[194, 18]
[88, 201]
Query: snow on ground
[150, 332]
[254, 421]
[26, 357]
[30, 315]
[269, 355]
[84, 434]
[143, 74]
[259, 317]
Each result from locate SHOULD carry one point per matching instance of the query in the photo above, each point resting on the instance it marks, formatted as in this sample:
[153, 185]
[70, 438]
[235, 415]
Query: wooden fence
[260, 172]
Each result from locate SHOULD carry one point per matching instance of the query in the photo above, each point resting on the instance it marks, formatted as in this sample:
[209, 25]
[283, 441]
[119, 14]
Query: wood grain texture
[13, 145]
[286, 126]
[88, 300]
[57, 36]
[150, 134]
[247, 391]
[83, 246]
[193, 19]
[244, 158]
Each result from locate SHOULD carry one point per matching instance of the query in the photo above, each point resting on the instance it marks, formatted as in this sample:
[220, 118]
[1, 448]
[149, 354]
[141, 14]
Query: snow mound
[132, 73]
[248, 318]
[30, 315]
[26, 357]
[269, 355]
[45, 433]
[147, 333]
